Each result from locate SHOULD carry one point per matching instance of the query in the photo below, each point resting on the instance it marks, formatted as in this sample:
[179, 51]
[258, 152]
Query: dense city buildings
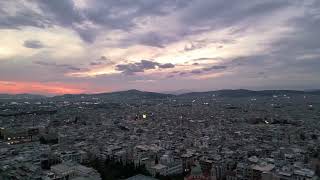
[218, 135]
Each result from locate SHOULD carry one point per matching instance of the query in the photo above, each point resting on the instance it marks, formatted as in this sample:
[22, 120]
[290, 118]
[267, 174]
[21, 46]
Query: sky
[91, 46]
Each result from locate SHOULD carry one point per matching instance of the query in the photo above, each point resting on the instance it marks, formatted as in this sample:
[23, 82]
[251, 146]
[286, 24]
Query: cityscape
[159, 90]
[226, 134]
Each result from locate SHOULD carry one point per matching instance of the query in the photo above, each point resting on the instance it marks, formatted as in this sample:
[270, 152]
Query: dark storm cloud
[131, 68]
[33, 44]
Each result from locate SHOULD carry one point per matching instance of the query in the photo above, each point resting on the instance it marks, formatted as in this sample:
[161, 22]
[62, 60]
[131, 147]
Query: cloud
[214, 68]
[87, 34]
[222, 14]
[96, 63]
[23, 16]
[101, 61]
[166, 66]
[106, 14]
[196, 71]
[152, 39]
[206, 59]
[62, 12]
[59, 66]
[207, 69]
[193, 46]
[217, 68]
[170, 76]
[33, 44]
[131, 68]
[103, 58]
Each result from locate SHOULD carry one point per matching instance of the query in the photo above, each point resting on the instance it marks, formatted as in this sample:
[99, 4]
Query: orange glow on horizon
[39, 88]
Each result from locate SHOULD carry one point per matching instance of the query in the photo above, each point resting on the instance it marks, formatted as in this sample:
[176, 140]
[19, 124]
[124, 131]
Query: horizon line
[172, 92]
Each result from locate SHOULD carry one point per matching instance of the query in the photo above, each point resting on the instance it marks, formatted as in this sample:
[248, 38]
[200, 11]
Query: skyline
[92, 46]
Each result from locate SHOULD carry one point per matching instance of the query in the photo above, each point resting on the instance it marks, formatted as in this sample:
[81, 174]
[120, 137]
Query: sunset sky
[89, 46]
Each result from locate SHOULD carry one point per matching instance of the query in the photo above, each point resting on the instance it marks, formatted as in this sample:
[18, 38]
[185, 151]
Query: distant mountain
[248, 93]
[178, 92]
[134, 94]
[314, 91]
[119, 95]
[138, 95]
[21, 96]
[229, 93]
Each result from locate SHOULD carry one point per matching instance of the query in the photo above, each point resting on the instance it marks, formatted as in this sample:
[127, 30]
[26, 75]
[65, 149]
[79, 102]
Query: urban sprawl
[217, 135]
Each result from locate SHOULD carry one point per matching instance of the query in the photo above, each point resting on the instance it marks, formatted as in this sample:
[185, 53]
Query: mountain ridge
[148, 94]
